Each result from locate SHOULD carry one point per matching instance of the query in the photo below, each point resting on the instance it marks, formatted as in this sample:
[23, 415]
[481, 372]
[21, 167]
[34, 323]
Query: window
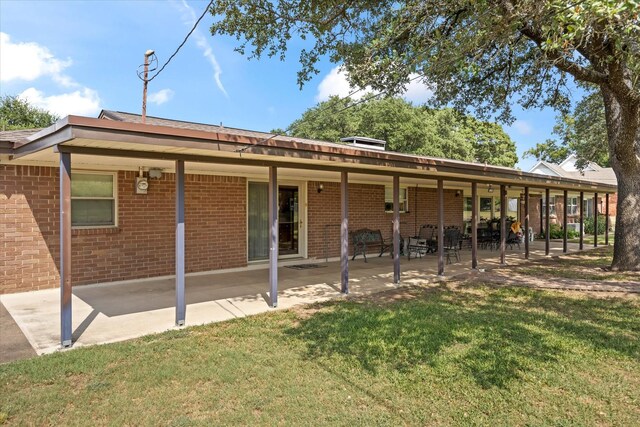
[93, 199]
[512, 207]
[485, 204]
[552, 205]
[572, 205]
[388, 200]
[466, 215]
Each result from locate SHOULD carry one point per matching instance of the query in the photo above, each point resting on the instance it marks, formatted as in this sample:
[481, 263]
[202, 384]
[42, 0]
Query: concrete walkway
[119, 311]
[13, 344]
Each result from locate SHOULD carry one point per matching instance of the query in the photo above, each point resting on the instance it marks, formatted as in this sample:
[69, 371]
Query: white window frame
[403, 199]
[552, 205]
[114, 197]
[572, 205]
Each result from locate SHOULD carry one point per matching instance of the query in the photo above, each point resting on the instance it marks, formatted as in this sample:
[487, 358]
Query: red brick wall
[141, 246]
[366, 210]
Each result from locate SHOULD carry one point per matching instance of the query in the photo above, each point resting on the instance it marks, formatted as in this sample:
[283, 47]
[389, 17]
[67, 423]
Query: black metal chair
[452, 243]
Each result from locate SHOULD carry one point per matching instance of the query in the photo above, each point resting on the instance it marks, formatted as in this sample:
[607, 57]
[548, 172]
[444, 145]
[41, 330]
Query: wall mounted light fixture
[490, 189]
[320, 188]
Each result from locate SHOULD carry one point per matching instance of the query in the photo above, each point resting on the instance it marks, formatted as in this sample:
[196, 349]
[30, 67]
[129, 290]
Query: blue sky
[78, 57]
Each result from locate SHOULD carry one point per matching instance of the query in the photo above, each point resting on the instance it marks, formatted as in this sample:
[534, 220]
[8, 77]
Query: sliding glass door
[289, 223]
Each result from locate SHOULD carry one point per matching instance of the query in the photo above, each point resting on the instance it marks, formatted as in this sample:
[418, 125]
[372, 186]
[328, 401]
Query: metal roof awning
[216, 144]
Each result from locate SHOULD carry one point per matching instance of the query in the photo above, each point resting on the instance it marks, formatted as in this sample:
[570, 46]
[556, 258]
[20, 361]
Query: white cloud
[30, 61]
[336, 84]
[83, 102]
[161, 96]
[417, 91]
[523, 127]
[203, 44]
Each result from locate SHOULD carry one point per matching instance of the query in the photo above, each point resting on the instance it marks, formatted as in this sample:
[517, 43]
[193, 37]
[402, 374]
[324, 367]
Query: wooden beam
[396, 229]
[503, 223]
[474, 225]
[425, 169]
[565, 217]
[526, 223]
[547, 225]
[440, 227]
[181, 306]
[65, 250]
[344, 233]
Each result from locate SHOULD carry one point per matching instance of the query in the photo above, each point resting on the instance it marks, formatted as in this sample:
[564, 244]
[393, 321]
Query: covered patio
[230, 160]
[114, 312]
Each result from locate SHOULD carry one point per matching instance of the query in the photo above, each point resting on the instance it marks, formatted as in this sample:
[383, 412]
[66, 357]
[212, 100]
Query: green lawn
[475, 354]
[588, 239]
[589, 265]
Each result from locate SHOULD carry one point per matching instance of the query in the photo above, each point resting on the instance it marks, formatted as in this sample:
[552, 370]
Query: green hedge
[588, 224]
[556, 232]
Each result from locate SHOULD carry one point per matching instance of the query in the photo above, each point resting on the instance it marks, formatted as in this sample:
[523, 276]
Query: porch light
[490, 189]
[320, 188]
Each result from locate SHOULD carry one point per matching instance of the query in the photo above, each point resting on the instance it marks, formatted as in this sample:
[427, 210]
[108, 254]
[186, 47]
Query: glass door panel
[288, 219]
[258, 223]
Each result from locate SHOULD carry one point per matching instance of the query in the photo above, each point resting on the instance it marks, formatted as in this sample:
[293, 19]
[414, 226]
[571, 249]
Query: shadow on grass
[494, 336]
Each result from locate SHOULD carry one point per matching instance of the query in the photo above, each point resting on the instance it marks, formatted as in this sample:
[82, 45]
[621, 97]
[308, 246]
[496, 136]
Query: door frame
[302, 215]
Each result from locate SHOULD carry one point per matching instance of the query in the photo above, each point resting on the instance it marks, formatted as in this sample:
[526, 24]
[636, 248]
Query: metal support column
[526, 223]
[581, 220]
[503, 223]
[65, 250]
[565, 215]
[474, 225]
[440, 227]
[606, 219]
[273, 234]
[181, 306]
[547, 224]
[541, 214]
[344, 233]
[396, 229]
[595, 220]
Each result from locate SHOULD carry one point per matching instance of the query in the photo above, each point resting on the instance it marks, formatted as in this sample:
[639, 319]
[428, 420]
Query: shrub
[588, 224]
[557, 232]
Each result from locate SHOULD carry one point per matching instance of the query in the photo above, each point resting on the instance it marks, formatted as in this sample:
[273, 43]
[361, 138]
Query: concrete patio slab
[113, 312]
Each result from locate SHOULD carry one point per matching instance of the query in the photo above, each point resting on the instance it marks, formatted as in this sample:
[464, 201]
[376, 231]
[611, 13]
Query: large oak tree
[483, 55]
[407, 128]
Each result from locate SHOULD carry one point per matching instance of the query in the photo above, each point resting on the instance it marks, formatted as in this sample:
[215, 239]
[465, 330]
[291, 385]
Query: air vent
[364, 142]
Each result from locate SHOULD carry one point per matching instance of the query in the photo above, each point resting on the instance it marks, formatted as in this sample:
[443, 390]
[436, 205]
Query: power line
[195, 25]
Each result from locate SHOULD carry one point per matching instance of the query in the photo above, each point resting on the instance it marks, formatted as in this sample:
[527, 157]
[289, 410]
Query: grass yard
[588, 239]
[459, 354]
[589, 265]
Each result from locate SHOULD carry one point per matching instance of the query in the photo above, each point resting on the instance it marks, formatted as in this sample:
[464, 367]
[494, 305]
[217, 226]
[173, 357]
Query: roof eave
[80, 127]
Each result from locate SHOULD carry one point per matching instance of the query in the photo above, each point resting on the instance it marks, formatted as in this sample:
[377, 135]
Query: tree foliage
[482, 55]
[16, 113]
[583, 133]
[408, 129]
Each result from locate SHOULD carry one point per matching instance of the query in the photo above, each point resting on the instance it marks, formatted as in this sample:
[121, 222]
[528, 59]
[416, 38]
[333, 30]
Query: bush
[557, 232]
[588, 225]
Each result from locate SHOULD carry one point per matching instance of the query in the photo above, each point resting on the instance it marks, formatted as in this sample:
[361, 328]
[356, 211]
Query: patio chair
[422, 244]
[452, 244]
[513, 239]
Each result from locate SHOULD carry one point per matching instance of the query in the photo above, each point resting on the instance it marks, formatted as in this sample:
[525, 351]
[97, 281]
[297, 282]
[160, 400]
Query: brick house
[567, 168]
[95, 200]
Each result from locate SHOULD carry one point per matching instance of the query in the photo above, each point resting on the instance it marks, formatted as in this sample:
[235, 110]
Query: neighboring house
[94, 200]
[568, 169]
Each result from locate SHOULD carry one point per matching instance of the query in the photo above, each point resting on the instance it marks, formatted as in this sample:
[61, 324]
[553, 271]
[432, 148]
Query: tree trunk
[623, 131]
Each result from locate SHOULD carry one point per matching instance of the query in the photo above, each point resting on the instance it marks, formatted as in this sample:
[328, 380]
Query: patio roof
[122, 135]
